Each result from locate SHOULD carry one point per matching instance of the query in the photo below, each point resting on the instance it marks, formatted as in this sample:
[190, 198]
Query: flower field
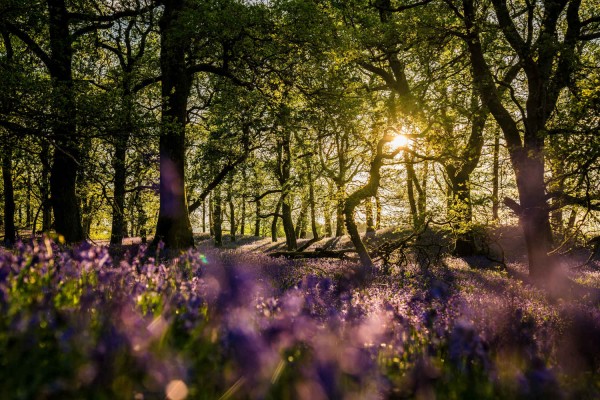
[233, 324]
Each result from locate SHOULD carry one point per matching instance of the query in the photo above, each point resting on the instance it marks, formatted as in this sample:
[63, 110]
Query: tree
[173, 226]
[193, 40]
[64, 28]
[364, 192]
[128, 42]
[548, 64]
[9, 200]
[283, 168]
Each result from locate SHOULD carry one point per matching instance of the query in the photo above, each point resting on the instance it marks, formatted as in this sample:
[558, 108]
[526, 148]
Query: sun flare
[400, 141]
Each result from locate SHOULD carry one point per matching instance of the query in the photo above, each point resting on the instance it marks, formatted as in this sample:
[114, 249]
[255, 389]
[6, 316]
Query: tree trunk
[243, 218]
[274, 222]
[217, 214]
[203, 216]
[34, 225]
[303, 232]
[571, 222]
[339, 211]
[461, 215]
[45, 188]
[534, 212]
[301, 221]
[284, 160]
[257, 219]
[67, 216]
[557, 185]
[411, 192]
[65, 166]
[132, 215]
[547, 66]
[243, 199]
[211, 210]
[557, 221]
[288, 225]
[119, 227]
[378, 224]
[28, 202]
[496, 177]
[461, 209]
[121, 143]
[10, 234]
[368, 190]
[369, 215]
[422, 190]
[141, 221]
[311, 202]
[173, 227]
[363, 254]
[327, 212]
[232, 227]
[87, 211]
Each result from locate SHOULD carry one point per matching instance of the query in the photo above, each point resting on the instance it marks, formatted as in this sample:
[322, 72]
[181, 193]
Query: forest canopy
[302, 119]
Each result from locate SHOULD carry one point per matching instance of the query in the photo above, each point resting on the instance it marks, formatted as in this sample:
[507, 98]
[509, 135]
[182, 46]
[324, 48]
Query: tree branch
[31, 44]
[83, 17]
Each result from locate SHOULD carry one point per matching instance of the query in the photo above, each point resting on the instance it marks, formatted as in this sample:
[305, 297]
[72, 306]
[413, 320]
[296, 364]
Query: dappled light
[299, 199]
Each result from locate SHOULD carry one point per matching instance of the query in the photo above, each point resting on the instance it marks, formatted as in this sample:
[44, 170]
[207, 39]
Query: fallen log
[307, 244]
[340, 254]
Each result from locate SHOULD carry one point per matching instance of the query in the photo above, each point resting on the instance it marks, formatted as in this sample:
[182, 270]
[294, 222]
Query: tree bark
[10, 234]
[119, 228]
[339, 210]
[28, 210]
[288, 225]
[203, 216]
[557, 185]
[534, 213]
[232, 227]
[211, 210]
[369, 215]
[173, 226]
[378, 218]
[274, 222]
[422, 191]
[243, 218]
[496, 177]
[257, 219]
[311, 201]
[132, 215]
[327, 211]
[284, 160]
[410, 191]
[45, 187]
[217, 214]
[65, 166]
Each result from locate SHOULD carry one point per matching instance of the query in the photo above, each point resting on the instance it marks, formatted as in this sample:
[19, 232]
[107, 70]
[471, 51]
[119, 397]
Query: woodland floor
[505, 251]
[433, 326]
